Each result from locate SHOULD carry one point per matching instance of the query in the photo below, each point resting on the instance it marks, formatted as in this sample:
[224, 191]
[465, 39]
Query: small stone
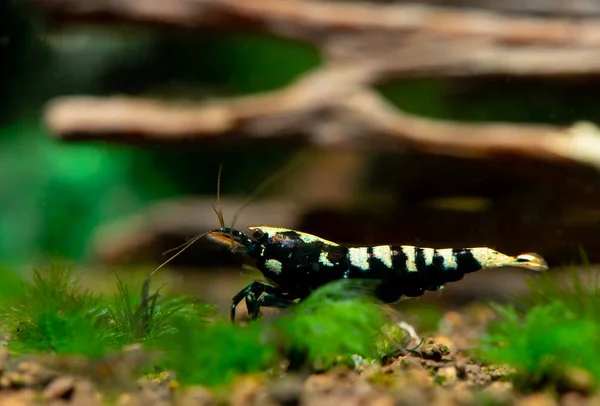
[156, 389]
[35, 374]
[446, 376]
[15, 379]
[28, 367]
[496, 372]
[20, 398]
[263, 398]
[60, 388]
[499, 390]
[418, 378]
[197, 396]
[471, 373]
[319, 383]
[537, 399]
[579, 380]
[591, 401]
[574, 399]
[473, 369]
[451, 321]
[245, 391]
[128, 399]
[411, 396]
[409, 362]
[433, 350]
[4, 358]
[462, 395]
[382, 400]
[445, 342]
[287, 390]
[84, 394]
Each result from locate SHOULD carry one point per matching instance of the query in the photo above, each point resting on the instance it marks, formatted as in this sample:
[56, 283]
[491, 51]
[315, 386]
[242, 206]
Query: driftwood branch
[308, 19]
[387, 39]
[572, 8]
[329, 108]
[363, 44]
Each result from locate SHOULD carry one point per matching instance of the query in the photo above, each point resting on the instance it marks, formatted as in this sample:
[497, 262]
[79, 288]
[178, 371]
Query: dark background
[56, 198]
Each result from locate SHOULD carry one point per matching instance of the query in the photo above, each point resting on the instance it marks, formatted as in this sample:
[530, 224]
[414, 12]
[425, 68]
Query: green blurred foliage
[519, 100]
[52, 195]
[424, 317]
[547, 346]
[553, 338]
[578, 288]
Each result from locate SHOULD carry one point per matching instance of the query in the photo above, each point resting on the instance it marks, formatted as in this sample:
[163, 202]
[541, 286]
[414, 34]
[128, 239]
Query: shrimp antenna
[218, 211]
[287, 169]
[183, 248]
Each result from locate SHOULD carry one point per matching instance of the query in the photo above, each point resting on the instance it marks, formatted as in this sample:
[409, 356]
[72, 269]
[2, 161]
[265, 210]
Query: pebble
[287, 390]
[537, 399]
[59, 388]
[197, 396]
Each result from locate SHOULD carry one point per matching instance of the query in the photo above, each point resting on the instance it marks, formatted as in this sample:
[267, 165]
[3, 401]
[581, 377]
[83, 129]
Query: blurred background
[433, 123]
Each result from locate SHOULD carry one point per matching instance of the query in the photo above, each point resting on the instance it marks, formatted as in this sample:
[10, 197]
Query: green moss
[579, 291]
[335, 320]
[55, 314]
[544, 345]
[553, 339]
[326, 329]
[392, 342]
[213, 355]
[138, 318]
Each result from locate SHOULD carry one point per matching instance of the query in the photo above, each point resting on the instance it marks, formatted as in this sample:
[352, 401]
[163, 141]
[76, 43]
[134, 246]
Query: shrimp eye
[258, 234]
[523, 260]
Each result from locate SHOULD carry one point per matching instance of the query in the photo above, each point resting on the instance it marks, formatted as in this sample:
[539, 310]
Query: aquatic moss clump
[213, 355]
[133, 318]
[53, 313]
[334, 321]
[553, 337]
[554, 334]
[578, 290]
[327, 328]
[545, 346]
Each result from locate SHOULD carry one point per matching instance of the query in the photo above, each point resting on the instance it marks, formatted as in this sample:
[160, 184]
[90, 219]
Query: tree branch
[329, 109]
[400, 39]
[364, 43]
[309, 19]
